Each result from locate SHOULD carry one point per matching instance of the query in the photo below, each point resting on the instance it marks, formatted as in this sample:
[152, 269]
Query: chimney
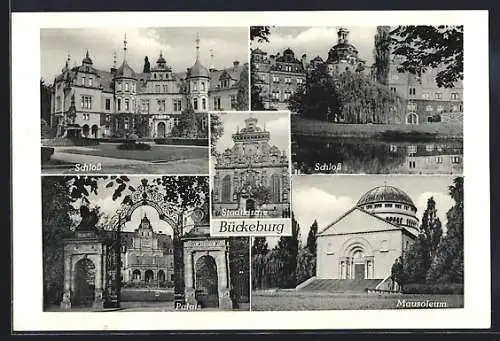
[236, 64]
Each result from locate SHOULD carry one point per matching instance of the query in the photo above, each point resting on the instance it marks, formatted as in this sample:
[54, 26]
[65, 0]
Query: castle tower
[125, 92]
[199, 80]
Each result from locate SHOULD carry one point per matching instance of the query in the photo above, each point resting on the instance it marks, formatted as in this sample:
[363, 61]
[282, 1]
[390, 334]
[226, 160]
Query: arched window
[226, 189]
[275, 185]
[412, 118]
[203, 103]
[195, 104]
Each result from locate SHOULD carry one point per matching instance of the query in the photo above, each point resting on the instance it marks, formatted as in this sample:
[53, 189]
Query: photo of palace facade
[279, 76]
[251, 176]
[147, 257]
[121, 101]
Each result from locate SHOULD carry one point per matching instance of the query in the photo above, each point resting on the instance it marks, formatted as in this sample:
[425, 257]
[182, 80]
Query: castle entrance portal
[84, 277]
[206, 282]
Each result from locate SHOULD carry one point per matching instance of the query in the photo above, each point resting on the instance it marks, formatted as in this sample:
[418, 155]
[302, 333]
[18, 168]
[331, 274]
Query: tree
[147, 66]
[418, 259]
[45, 94]
[431, 228]
[425, 47]
[287, 250]
[397, 273]
[242, 95]
[260, 33]
[189, 124]
[448, 264]
[311, 238]
[216, 131]
[382, 54]
[350, 98]
[259, 252]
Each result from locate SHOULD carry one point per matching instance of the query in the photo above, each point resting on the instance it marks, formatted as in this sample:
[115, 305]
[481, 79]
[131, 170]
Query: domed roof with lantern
[385, 194]
[344, 50]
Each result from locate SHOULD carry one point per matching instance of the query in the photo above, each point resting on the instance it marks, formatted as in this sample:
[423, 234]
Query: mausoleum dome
[383, 194]
[391, 204]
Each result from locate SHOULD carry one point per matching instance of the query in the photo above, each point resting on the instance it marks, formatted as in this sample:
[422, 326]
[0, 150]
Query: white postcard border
[27, 255]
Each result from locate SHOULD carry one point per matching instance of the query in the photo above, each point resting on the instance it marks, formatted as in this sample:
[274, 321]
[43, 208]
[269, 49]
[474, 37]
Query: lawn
[157, 152]
[300, 126]
[293, 300]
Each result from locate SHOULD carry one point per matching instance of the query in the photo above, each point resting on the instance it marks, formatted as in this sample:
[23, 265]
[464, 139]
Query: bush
[47, 153]
[134, 146]
[443, 289]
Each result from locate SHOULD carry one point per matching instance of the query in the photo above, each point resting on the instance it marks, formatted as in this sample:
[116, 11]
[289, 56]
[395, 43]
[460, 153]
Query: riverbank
[386, 132]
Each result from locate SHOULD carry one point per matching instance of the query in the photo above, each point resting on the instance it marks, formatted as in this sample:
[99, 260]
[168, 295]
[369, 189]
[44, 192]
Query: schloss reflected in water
[321, 155]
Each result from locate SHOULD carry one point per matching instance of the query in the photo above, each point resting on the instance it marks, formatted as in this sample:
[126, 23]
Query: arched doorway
[136, 275]
[206, 282]
[412, 118]
[149, 276]
[94, 130]
[359, 264]
[85, 130]
[161, 129]
[161, 276]
[250, 205]
[84, 281]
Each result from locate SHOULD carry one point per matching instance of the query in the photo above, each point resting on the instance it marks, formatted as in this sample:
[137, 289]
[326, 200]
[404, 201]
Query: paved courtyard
[293, 300]
[161, 159]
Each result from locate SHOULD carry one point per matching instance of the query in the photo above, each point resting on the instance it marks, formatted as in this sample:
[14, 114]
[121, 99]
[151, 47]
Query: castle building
[364, 242]
[252, 176]
[278, 76]
[147, 257]
[120, 101]
[422, 101]
[425, 101]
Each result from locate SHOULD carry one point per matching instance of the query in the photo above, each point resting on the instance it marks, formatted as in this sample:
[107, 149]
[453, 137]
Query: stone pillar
[189, 263]
[66, 300]
[98, 300]
[223, 285]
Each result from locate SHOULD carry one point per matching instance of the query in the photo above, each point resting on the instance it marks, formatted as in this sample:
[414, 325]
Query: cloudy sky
[178, 46]
[278, 124]
[315, 41]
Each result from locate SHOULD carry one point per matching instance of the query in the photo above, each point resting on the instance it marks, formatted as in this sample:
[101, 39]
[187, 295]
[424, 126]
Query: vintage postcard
[260, 170]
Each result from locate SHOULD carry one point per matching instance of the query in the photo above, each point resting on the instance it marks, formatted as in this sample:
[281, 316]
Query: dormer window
[91, 81]
[203, 86]
[126, 86]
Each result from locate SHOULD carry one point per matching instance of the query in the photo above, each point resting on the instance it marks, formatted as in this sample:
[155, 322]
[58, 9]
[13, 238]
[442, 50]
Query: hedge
[448, 288]
[133, 146]
[183, 141]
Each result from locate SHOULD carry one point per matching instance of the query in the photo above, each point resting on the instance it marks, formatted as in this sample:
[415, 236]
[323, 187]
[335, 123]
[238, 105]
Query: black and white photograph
[120, 243]
[250, 164]
[365, 99]
[365, 242]
[136, 100]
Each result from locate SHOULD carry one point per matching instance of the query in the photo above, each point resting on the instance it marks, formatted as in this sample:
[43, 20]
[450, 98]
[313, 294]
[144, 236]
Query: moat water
[332, 155]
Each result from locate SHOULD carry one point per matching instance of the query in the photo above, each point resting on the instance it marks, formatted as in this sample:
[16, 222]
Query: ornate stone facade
[120, 101]
[252, 175]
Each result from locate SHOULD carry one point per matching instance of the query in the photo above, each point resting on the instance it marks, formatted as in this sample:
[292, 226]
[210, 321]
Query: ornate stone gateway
[206, 265]
[93, 257]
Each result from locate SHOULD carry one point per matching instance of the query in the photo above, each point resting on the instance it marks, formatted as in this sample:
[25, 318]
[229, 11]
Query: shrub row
[134, 146]
[183, 141]
[121, 139]
[447, 288]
